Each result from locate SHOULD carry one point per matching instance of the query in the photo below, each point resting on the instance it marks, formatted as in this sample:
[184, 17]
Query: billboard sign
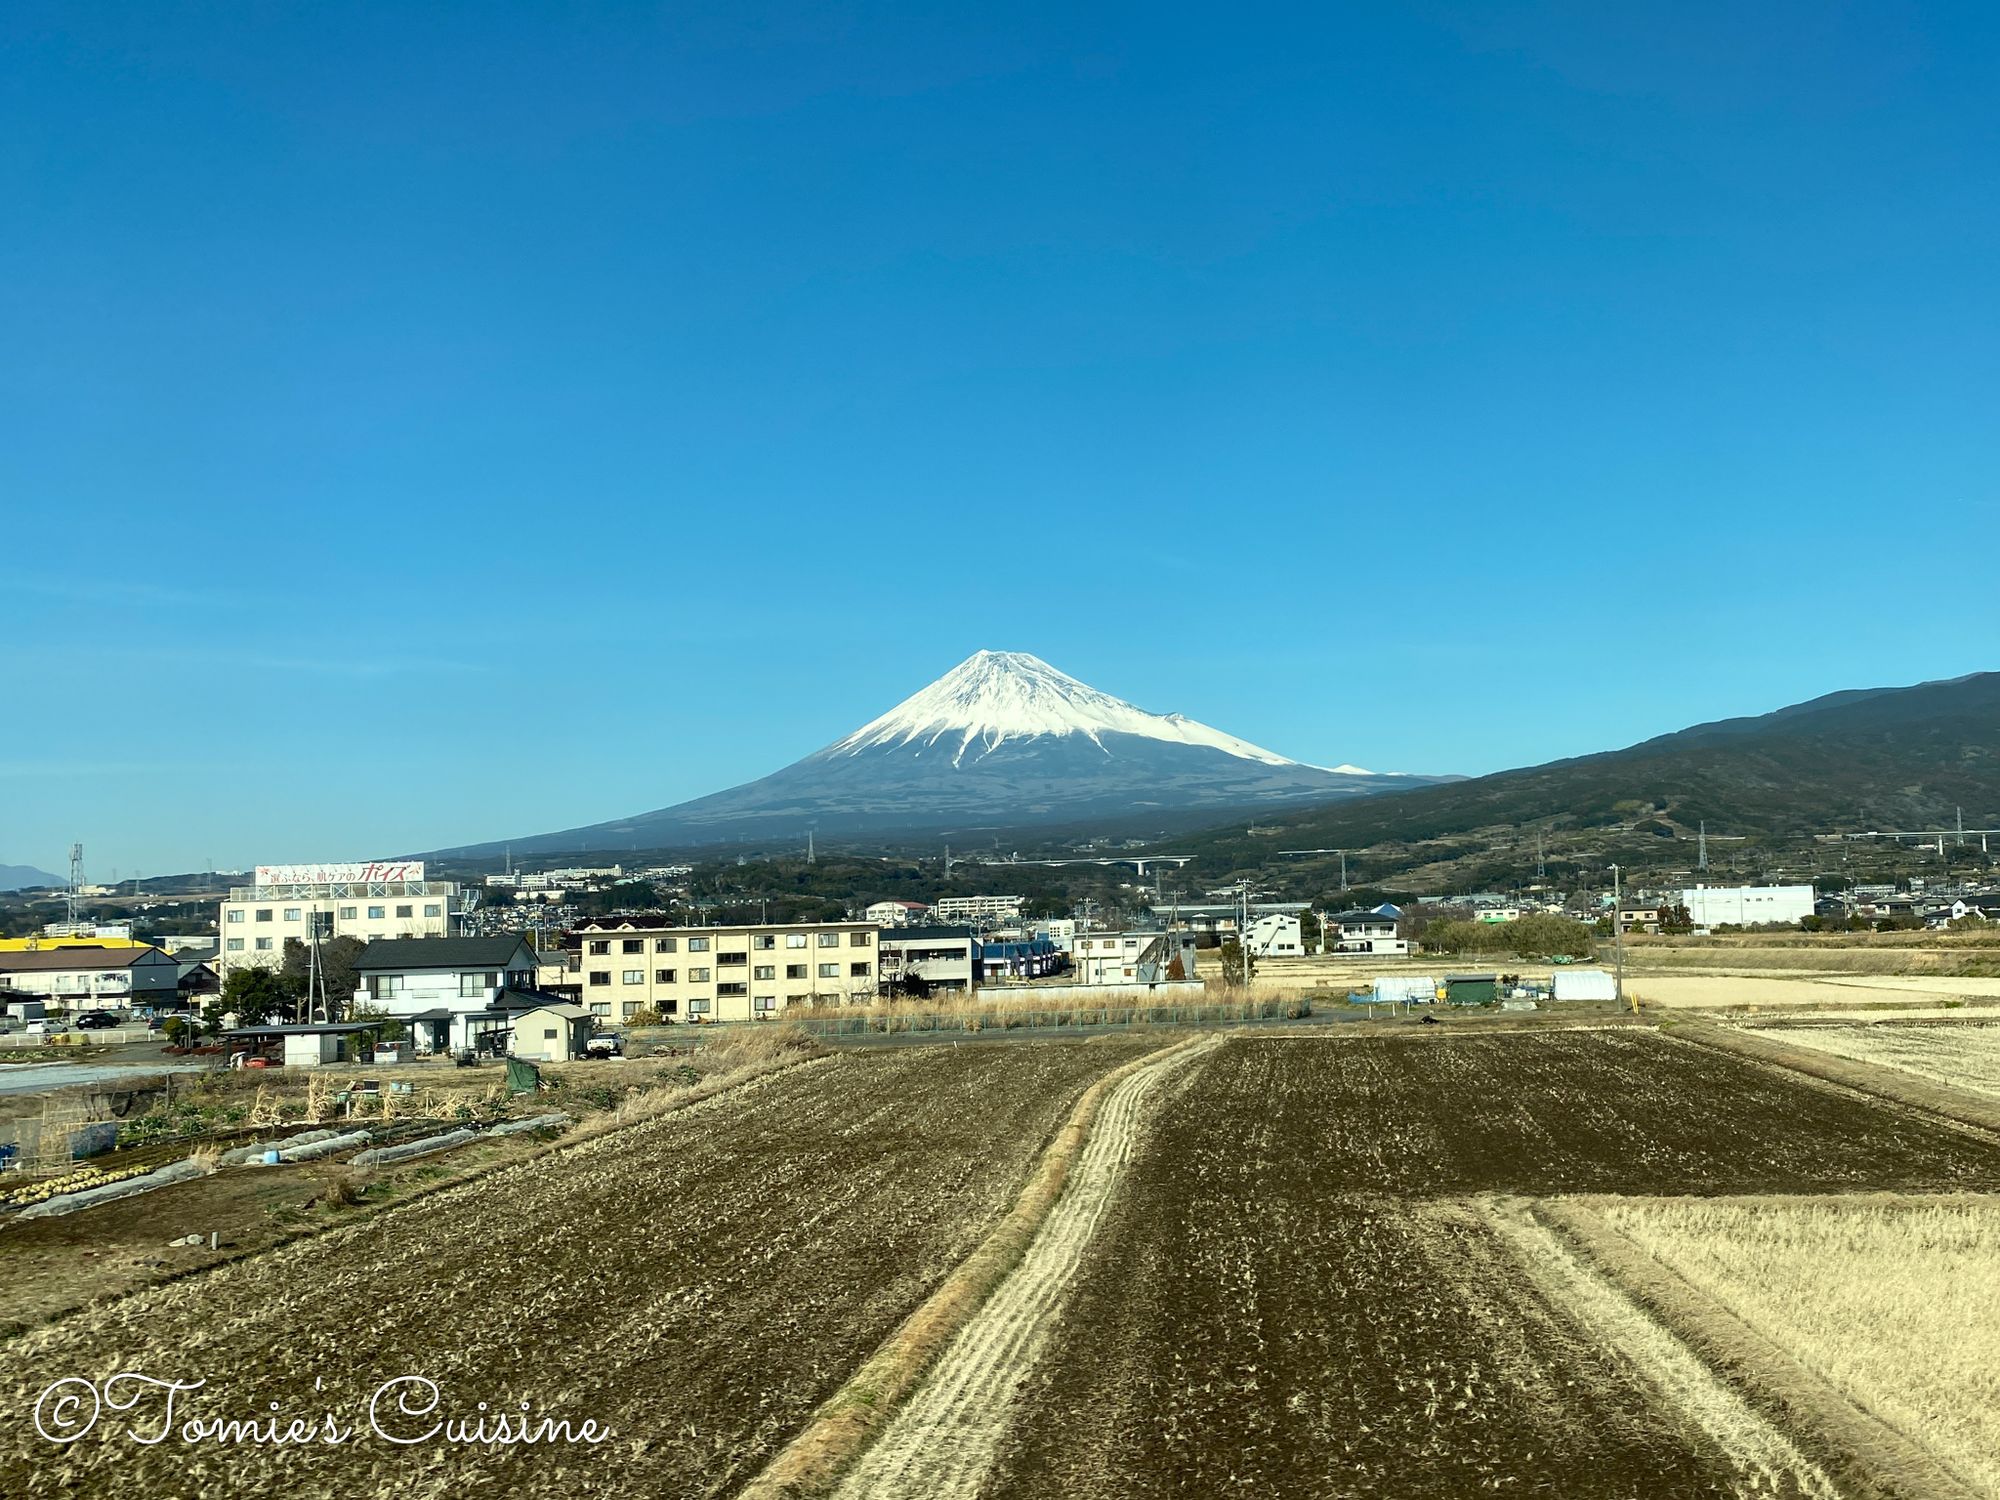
[349, 874]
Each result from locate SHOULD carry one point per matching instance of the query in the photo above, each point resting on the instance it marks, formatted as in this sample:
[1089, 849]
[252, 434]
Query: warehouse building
[1748, 905]
[80, 978]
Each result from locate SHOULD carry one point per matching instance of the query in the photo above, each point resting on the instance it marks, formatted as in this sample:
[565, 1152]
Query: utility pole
[1343, 869]
[74, 901]
[1618, 937]
[1701, 862]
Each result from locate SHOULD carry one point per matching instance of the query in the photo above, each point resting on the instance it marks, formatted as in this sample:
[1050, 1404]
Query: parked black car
[97, 1020]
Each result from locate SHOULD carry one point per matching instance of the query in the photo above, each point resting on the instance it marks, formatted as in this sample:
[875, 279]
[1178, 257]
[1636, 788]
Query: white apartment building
[1363, 932]
[949, 909]
[623, 965]
[369, 900]
[897, 913]
[1747, 905]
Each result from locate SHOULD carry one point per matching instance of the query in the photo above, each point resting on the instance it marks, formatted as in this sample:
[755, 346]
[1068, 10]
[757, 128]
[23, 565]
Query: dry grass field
[1895, 1301]
[697, 1282]
[1965, 1055]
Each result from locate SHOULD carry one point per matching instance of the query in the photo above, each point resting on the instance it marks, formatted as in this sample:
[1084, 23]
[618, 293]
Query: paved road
[36, 1077]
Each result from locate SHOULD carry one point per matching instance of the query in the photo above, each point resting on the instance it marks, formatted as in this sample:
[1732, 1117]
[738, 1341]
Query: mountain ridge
[1003, 739]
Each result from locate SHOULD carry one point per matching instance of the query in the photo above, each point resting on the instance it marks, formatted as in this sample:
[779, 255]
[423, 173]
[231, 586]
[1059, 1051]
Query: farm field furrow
[696, 1283]
[1895, 1301]
[1965, 1056]
[1292, 1296]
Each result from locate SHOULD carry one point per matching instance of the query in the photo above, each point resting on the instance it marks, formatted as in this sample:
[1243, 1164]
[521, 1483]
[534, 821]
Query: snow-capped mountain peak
[995, 696]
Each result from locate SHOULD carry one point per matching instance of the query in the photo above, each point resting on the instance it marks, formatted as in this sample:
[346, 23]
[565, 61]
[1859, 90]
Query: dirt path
[941, 1444]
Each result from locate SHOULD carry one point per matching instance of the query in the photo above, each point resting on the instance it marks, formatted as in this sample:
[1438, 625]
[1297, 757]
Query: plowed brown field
[697, 1284]
[1292, 1296]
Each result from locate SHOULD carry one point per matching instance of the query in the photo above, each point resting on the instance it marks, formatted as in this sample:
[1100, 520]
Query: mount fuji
[1002, 740]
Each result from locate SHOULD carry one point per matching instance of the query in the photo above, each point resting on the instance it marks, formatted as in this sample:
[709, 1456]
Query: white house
[81, 978]
[450, 990]
[1274, 935]
[1364, 932]
[1133, 957]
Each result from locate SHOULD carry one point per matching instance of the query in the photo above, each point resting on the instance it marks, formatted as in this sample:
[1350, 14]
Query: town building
[1748, 905]
[986, 909]
[555, 1032]
[80, 978]
[929, 958]
[897, 913]
[1020, 958]
[1275, 935]
[452, 991]
[367, 901]
[625, 965]
[1133, 957]
[1363, 932]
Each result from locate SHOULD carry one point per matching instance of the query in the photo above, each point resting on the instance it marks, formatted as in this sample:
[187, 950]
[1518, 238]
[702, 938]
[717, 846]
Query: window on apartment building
[632, 1007]
[263, 945]
[697, 976]
[406, 911]
[664, 976]
[599, 947]
[765, 1003]
[633, 945]
[764, 942]
[291, 914]
[796, 999]
[433, 908]
[263, 913]
[235, 914]
[635, 976]
[665, 945]
[829, 940]
[697, 945]
[600, 976]
[377, 913]
[236, 945]
[829, 971]
[732, 960]
[597, 1008]
[857, 971]
[670, 1007]
[347, 913]
[764, 971]
[795, 971]
[700, 1007]
[795, 940]
[857, 939]
[732, 990]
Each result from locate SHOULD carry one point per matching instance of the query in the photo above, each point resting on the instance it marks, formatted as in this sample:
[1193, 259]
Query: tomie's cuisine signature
[405, 1410]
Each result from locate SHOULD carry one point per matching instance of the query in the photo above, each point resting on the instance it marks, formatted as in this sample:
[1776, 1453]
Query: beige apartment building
[366, 901]
[622, 965]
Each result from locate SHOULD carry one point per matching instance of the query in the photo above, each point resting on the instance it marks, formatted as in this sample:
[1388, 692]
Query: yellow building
[622, 965]
[42, 944]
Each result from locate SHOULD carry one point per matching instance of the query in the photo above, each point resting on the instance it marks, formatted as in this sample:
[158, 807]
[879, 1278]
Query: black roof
[1358, 915]
[442, 953]
[902, 934]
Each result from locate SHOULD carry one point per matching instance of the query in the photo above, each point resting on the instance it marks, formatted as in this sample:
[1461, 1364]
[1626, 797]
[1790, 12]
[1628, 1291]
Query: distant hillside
[19, 877]
[1875, 759]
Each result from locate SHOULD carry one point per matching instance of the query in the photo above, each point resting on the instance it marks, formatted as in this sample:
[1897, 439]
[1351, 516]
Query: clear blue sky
[400, 406]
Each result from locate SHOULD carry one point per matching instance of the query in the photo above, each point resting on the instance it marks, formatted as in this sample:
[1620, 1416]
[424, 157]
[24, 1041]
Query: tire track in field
[940, 1445]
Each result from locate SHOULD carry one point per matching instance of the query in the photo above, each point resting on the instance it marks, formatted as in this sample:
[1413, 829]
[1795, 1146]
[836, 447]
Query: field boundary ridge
[1866, 1457]
[1878, 1079]
[836, 1435]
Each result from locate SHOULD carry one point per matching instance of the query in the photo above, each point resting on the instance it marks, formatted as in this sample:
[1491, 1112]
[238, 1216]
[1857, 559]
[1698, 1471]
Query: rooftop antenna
[73, 900]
